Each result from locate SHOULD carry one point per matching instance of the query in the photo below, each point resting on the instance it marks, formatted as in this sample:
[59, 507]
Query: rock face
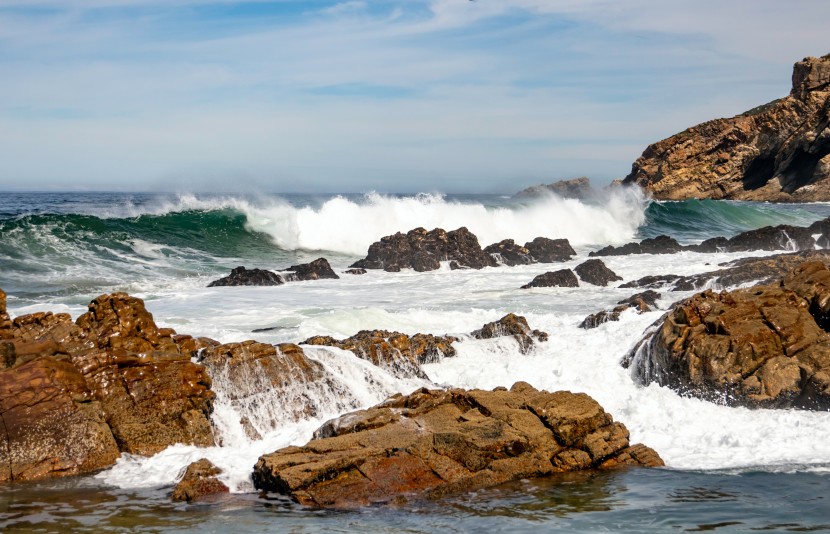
[641, 302]
[561, 278]
[595, 272]
[316, 270]
[436, 442]
[199, 481]
[403, 355]
[422, 251]
[573, 188]
[241, 276]
[776, 152]
[511, 325]
[765, 346]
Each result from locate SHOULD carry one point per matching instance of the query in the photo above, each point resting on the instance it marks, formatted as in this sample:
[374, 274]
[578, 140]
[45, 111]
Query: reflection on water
[656, 500]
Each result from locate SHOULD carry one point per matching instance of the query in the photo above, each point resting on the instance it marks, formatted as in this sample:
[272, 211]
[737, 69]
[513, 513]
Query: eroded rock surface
[434, 442]
[199, 481]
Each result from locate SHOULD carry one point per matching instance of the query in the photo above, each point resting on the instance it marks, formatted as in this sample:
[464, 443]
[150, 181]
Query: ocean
[728, 469]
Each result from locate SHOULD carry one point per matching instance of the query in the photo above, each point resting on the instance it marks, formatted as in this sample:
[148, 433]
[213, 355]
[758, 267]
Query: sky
[478, 96]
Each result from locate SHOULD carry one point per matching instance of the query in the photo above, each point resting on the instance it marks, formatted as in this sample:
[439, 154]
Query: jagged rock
[511, 325]
[241, 276]
[546, 250]
[776, 152]
[561, 278]
[316, 270]
[199, 481]
[510, 253]
[595, 272]
[422, 250]
[641, 302]
[574, 188]
[661, 244]
[435, 442]
[356, 271]
[403, 355]
[763, 346]
[780, 237]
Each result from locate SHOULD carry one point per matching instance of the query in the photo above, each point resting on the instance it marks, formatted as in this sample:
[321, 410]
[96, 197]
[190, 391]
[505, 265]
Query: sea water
[727, 468]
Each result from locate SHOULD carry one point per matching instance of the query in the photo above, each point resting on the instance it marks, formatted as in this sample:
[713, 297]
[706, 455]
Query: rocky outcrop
[546, 250]
[199, 481]
[560, 278]
[509, 253]
[316, 270]
[765, 346]
[422, 251]
[401, 354]
[241, 276]
[596, 272]
[776, 152]
[661, 244]
[574, 188]
[434, 442]
[640, 302]
[511, 325]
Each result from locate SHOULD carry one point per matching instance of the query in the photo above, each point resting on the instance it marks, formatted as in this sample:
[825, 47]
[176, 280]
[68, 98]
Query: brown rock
[511, 325]
[776, 152]
[199, 481]
[560, 278]
[5, 321]
[595, 272]
[434, 442]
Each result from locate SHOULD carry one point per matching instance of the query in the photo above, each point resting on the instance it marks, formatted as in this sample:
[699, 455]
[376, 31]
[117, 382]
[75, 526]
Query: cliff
[776, 152]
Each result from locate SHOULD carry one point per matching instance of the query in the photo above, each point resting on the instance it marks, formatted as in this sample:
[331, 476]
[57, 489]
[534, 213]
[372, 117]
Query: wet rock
[5, 320]
[423, 250]
[782, 237]
[356, 271]
[316, 270]
[561, 278]
[401, 354]
[511, 325]
[546, 250]
[436, 442]
[595, 272]
[641, 302]
[763, 346]
[574, 188]
[241, 276]
[662, 244]
[199, 481]
[507, 252]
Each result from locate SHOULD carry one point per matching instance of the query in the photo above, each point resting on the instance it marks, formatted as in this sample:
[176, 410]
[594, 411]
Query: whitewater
[59, 251]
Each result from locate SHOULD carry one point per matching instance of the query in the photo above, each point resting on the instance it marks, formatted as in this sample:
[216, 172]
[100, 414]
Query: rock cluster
[764, 346]
[436, 442]
[776, 152]
[240, 276]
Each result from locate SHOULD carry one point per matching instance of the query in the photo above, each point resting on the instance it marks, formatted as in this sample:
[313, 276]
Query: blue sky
[393, 96]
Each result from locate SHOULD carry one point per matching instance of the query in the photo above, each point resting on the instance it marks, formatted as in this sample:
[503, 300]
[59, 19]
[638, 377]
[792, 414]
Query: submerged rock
[356, 271]
[241, 276]
[511, 325]
[641, 302]
[764, 346]
[199, 481]
[315, 270]
[595, 272]
[435, 442]
[561, 278]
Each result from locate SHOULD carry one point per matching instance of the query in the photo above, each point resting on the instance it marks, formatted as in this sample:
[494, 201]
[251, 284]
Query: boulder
[316, 270]
[435, 442]
[763, 346]
[199, 481]
[595, 272]
[507, 252]
[641, 302]
[422, 250]
[560, 278]
[511, 325]
[241, 276]
[546, 250]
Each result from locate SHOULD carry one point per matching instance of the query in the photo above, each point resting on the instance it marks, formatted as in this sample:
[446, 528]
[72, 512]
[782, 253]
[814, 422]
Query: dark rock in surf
[315, 270]
[433, 443]
[356, 271]
[641, 302]
[512, 325]
[546, 250]
[199, 481]
[662, 244]
[507, 252]
[595, 272]
[241, 276]
[561, 278]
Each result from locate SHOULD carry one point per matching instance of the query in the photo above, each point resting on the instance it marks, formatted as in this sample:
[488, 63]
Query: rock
[52, 425]
[249, 277]
[763, 346]
[435, 442]
[595, 272]
[356, 271]
[641, 302]
[509, 253]
[5, 320]
[199, 481]
[561, 278]
[511, 325]
[316, 270]
[782, 237]
[422, 250]
[661, 244]
[777, 152]
[574, 188]
[546, 250]
[402, 355]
